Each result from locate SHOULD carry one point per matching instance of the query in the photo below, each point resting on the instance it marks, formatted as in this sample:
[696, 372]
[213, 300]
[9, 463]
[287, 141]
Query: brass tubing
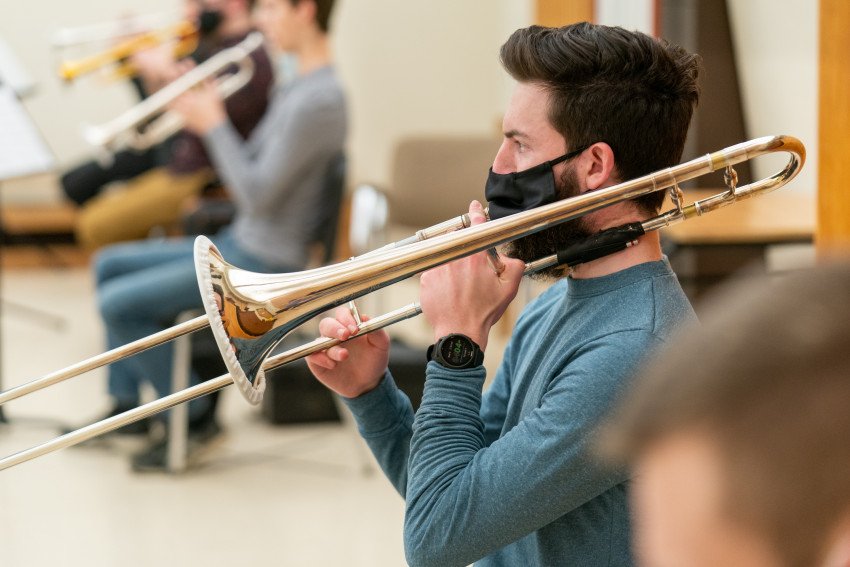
[202, 389]
[277, 303]
[105, 358]
[291, 298]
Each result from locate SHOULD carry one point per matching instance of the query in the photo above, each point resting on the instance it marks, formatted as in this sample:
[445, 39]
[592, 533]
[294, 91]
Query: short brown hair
[767, 378]
[323, 12]
[625, 88]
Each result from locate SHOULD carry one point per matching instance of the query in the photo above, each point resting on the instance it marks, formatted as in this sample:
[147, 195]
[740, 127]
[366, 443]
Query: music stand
[23, 151]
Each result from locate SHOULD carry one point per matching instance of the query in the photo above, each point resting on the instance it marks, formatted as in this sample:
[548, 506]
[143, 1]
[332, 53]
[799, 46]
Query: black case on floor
[293, 395]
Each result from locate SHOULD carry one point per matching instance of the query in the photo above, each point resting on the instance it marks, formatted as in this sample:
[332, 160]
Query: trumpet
[147, 123]
[250, 313]
[184, 34]
[110, 31]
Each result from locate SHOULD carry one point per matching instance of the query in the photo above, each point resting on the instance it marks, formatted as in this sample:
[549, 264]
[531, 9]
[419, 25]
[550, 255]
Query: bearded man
[506, 478]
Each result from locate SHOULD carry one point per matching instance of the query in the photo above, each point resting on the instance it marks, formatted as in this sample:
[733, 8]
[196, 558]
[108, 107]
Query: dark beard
[546, 242]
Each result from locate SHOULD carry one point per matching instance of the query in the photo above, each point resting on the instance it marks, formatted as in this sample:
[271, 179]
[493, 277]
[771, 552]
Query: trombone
[250, 313]
[147, 123]
[184, 34]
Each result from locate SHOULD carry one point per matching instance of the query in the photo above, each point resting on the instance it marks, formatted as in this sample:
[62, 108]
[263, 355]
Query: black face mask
[511, 193]
[209, 20]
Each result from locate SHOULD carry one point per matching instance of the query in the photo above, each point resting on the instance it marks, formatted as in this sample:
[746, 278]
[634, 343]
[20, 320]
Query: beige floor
[292, 495]
[270, 495]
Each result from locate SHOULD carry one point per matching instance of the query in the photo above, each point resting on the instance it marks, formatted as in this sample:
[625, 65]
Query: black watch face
[457, 350]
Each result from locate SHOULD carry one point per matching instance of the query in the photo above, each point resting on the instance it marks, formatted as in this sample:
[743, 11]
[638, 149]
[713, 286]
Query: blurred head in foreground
[739, 435]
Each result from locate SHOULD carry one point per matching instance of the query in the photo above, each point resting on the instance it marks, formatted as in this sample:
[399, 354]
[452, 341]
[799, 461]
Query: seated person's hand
[156, 66]
[202, 108]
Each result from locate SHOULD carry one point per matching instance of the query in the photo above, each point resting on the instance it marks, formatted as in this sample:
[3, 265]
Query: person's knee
[112, 218]
[105, 265]
[88, 231]
[112, 304]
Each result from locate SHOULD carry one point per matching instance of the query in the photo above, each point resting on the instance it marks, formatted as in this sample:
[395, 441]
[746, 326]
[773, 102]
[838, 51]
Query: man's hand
[202, 107]
[467, 296]
[357, 367]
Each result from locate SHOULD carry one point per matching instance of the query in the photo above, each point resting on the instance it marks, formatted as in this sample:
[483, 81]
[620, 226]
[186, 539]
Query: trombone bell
[243, 329]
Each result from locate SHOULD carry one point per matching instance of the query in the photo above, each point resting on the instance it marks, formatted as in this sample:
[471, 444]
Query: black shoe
[140, 427]
[203, 436]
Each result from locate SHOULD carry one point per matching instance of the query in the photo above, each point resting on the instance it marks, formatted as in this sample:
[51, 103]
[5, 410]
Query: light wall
[629, 14]
[776, 46]
[431, 66]
[409, 68]
[422, 67]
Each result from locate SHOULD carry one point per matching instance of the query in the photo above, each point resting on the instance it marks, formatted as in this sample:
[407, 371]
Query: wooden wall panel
[833, 227]
[554, 13]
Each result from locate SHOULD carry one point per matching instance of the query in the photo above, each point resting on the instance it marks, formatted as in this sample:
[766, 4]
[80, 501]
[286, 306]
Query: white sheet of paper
[12, 71]
[22, 149]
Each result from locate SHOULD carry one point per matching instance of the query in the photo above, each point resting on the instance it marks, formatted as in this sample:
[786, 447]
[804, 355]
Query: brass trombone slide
[240, 303]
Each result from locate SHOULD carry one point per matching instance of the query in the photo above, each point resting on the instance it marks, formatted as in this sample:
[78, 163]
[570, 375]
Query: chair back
[435, 177]
[333, 190]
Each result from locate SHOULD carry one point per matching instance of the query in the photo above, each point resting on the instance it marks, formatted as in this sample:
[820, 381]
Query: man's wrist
[364, 388]
[456, 351]
[479, 337]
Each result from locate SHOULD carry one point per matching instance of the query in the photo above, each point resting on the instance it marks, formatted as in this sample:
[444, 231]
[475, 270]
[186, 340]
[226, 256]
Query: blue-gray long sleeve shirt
[507, 478]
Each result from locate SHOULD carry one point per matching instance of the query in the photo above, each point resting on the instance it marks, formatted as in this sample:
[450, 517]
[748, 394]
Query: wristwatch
[456, 351]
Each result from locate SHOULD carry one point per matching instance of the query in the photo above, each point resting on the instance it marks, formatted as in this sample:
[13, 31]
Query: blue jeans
[142, 287]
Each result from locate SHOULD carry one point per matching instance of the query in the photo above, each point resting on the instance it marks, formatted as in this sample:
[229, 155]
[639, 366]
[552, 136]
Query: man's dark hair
[766, 379]
[607, 84]
[323, 12]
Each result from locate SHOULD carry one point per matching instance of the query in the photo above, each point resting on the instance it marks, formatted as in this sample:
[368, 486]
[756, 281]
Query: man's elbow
[423, 549]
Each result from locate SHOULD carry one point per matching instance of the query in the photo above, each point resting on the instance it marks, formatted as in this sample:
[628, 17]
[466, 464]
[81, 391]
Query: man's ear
[596, 166]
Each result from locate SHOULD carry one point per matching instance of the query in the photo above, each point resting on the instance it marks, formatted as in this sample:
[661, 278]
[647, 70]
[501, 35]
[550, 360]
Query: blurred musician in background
[276, 178]
[506, 478]
[738, 435]
[163, 179]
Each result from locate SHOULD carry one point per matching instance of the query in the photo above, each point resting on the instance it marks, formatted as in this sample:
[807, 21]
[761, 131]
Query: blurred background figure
[280, 181]
[739, 433]
[123, 56]
[164, 178]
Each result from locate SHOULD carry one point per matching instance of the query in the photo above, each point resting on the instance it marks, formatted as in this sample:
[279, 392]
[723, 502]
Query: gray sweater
[507, 478]
[277, 175]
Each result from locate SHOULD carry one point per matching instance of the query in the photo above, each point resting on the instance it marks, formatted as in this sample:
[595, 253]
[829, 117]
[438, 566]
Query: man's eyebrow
[510, 134]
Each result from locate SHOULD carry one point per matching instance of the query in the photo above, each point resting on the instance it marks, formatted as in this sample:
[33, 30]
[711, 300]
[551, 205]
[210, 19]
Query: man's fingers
[330, 357]
[476, 213]
[337, 353]
[379, 339]
[513, 269]
[333, 328]
[321, 360]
